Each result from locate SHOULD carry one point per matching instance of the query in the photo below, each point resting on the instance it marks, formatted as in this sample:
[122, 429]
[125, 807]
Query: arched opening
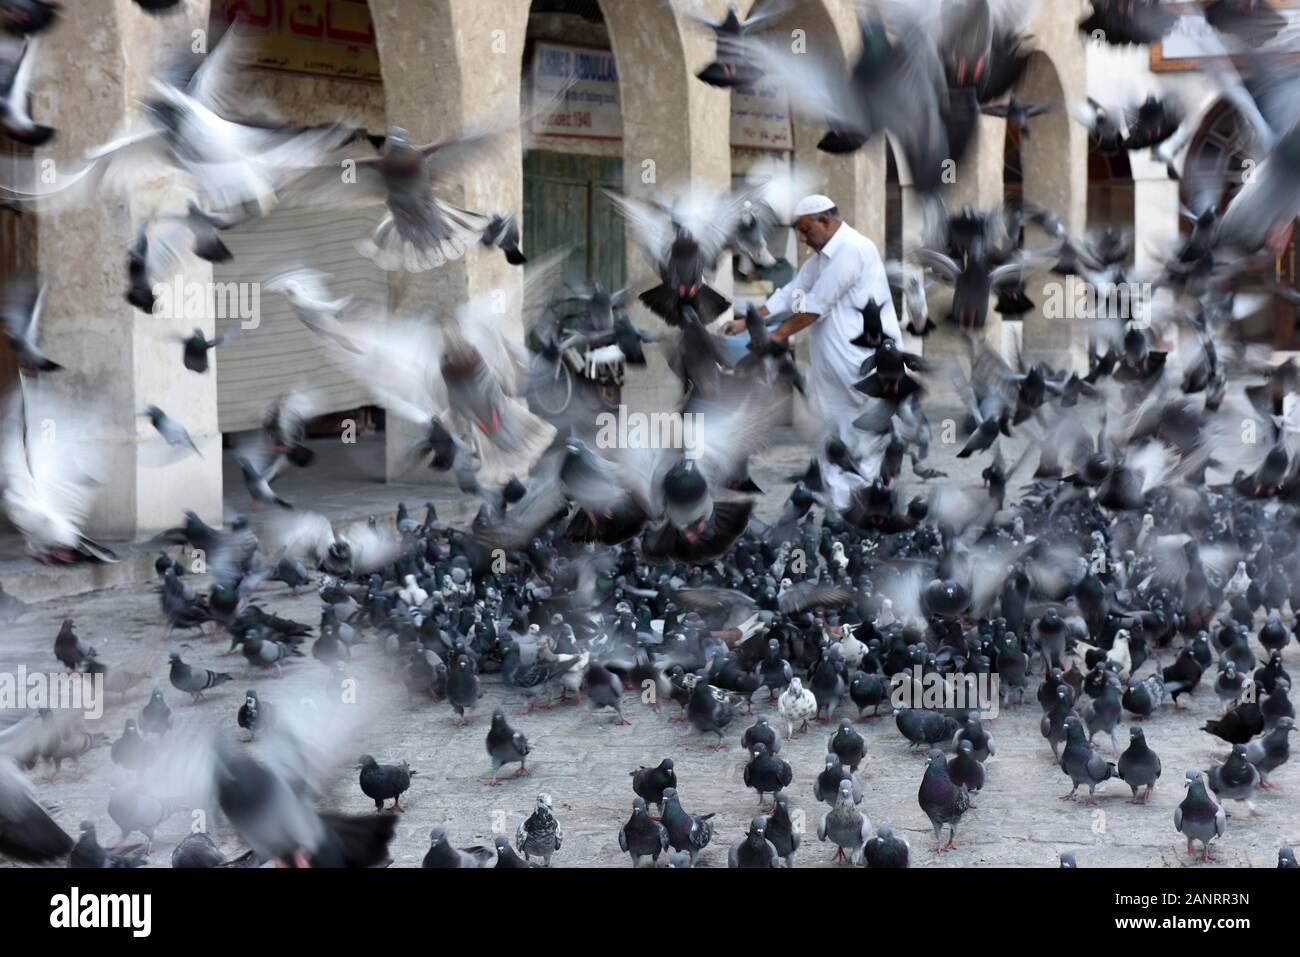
[576, 151]
[1110, 191]
[1220, 151]
[269, 353]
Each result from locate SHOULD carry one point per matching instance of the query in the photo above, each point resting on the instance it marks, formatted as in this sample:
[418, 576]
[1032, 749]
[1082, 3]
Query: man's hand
[733, 327]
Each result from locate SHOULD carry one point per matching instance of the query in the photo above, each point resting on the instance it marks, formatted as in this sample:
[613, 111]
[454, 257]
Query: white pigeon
[796, 705]
[852, 651]
[1239, 583]
[412, 593]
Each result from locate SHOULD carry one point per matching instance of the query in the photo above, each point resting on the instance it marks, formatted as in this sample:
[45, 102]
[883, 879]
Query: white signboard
[590, 108]
[760, 117]
[1192, 39]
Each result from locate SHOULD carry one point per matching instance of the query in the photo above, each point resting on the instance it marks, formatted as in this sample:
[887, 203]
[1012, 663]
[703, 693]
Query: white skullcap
[811, 205]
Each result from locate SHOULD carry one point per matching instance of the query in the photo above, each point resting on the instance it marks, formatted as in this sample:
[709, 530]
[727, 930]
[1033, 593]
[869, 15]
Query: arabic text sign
[590, 107]
[328, 37]
[760, 117]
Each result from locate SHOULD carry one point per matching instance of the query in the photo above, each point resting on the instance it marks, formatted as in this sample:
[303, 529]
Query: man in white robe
[828, 294]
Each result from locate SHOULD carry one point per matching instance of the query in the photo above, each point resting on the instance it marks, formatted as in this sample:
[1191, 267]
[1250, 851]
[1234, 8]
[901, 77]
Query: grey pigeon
[605, 690]
[87, 852]
[845, 826]
[193, 681]
[505, 745]
[850, 746]
[781, 830]
[942, 801]
[709, 713]
[506, 856]
[887, 851]
[690, 833]
[1082, 764]
[1271, 751]
[826, 786]
[1236, 779]
[754, 849]
[642, 836]
[1139, 766]
[132, 811]
[766, 773]
[442, 854]
[71, 649]
[1198, 817]
[761, 732]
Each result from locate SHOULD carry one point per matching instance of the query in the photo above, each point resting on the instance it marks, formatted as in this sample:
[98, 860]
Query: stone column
[94, 67]
[447, 66]
[1054, 160]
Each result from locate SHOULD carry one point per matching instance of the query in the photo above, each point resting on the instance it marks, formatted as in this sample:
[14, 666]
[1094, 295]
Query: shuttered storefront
[281, 353]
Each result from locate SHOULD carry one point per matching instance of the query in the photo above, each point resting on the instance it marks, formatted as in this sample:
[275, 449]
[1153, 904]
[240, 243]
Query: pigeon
[88, 853]
[797, 706]
[761, 732]
[826, 786]
[781, 830]
[173, 433]
[887, 851]
[132, 811]
[379, 782]
[1081, 763]
[649, 784]
[261, 802]
[845, 826]
[754, 849]
[1286, 858]
[942, 801]
[1198, 817]
[506, 856]
[463, 689]
[709, 713]
[642, 835]
[505, 746]
[72, 650]
[27, 832]
[1139, 766]
[193, 681]
[442, 854]
[766, 773]
[131, 751]
[689, 833]
[605, 690]
[155, 716]
[196, 348]
[1236, 779]
[850, 746]
[1271, 751]
[197, 850]
[15, 87]
[539, 834]
[254, 715]
[965, 771]
[21, 318]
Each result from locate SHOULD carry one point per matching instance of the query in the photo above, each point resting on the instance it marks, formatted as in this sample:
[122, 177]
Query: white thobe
[835, 284]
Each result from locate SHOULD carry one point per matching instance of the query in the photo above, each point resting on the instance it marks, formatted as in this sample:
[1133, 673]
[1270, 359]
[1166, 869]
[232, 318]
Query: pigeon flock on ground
[1148, 557]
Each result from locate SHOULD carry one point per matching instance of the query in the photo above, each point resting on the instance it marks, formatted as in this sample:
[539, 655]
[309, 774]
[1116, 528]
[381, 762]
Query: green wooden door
[564, 206]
